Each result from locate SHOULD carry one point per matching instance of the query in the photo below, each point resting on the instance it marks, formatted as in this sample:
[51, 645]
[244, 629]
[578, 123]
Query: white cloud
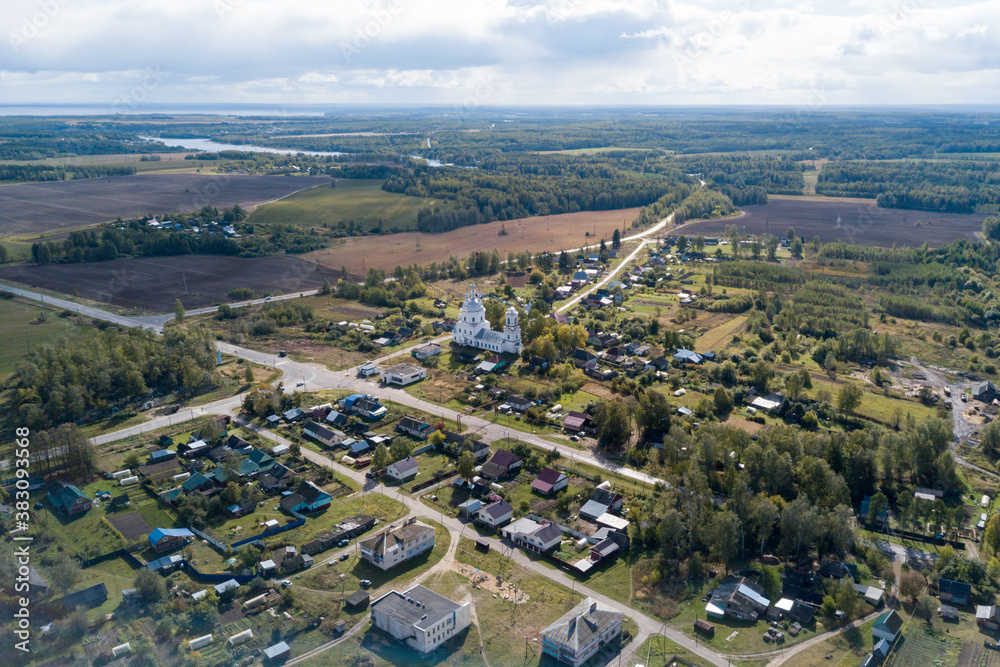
[532, 51]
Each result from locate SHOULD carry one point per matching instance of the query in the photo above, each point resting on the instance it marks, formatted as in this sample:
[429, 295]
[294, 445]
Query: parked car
[365, 583]
[343, 543]
[285, 583]
[344, 557]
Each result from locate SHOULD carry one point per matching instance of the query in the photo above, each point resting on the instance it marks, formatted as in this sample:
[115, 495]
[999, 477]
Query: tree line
[37, 172]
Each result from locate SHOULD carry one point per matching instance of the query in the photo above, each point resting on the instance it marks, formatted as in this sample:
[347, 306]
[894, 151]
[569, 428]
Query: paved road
[155, 322]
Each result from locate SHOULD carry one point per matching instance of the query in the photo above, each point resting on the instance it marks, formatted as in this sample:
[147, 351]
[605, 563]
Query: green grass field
[20, 333]
[362, 200]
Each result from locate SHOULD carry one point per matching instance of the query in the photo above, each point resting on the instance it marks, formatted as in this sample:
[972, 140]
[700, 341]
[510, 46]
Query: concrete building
[420, 618]
[403, 374]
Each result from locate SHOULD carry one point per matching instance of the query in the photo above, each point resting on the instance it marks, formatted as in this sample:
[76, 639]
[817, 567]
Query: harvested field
[34, 208]
[153, 283]
[550, 232]
[362, 200]
[860, 222]
[132, 526]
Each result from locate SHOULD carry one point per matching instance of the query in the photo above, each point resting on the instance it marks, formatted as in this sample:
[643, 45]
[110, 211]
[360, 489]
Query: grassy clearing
[21, 331]
[356, 199]
[844, 650]
[383, 508]
[720, 335]
[877, 407]
[657, 650]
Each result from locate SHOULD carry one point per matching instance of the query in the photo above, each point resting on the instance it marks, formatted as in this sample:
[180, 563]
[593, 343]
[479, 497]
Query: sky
[130, 55]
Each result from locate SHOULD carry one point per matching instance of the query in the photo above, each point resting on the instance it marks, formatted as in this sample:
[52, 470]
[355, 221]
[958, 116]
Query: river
[215, 146]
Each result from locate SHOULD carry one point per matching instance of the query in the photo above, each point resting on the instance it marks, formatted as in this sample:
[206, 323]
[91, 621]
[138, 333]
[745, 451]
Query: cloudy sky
[128, 54]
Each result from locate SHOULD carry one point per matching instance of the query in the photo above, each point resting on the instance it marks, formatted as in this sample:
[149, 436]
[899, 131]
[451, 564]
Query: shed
[277, 652]
[703, 627]
[358, 599]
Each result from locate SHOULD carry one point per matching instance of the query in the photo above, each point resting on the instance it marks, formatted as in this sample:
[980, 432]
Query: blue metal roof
[159, 533]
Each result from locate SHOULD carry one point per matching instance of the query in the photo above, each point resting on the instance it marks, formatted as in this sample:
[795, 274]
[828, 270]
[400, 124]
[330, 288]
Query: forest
[952, 187]
[523, 186]
[90, 377]
[744, 178]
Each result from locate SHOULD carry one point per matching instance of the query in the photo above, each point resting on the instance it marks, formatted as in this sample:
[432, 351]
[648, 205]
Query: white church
[474, 330]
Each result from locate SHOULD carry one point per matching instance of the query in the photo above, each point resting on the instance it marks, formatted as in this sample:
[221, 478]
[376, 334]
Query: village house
[90, 597]
[519, 403]
[364, 405]
[414, 428]
[687, 357]
[403, 470]
[327, 437]
[576, 422]
[582, 632]
[275, 479]
[533, 535]
[335, 418]
[307, 498]
[397, 545]
[954, 592]
[495, 514]
[739, 598]
[888, 626]
[603, 501]
[68, 499]
[549, 482]
[988, 616]
[169, 539]
[502, 464]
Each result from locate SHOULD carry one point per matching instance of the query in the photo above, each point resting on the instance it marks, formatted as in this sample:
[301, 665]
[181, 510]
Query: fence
[118, 553]
[268, 533]
[216, 577]
[433, 480]
[216, 544]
